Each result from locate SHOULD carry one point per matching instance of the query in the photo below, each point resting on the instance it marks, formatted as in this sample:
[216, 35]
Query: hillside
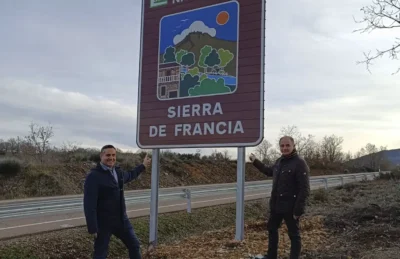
[378, 159]
[393, 156]
[66, 174]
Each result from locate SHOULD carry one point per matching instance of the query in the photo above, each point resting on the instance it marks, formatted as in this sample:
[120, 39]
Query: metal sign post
[241, 168]
[155, 176]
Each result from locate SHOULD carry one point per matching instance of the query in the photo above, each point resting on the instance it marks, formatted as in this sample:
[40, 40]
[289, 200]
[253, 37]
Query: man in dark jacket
[290, 191]
[104, 204]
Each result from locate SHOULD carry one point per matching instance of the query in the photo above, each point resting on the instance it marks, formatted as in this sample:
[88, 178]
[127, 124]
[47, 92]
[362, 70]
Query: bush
[94, 158]
[393, 175]
[320, 196]
[10, 166]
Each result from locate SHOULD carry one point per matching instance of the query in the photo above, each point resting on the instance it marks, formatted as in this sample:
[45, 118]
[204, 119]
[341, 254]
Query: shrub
[320, 195]
[94, 158]
[10, 166]
[393, 175]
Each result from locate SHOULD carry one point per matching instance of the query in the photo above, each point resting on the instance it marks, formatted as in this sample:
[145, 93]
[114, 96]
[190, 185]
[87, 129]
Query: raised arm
[263, 168]
[303, 185]
[134, 173]
[90, 202]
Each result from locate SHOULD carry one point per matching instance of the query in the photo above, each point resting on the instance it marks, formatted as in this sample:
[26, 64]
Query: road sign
[201, 80]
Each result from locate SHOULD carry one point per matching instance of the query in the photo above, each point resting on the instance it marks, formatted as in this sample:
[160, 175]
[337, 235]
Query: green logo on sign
[156, 3]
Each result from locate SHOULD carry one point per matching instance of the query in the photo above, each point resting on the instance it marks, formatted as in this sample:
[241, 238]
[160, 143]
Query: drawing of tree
[209, 87]
[169, 55]
[187, 83]
[226, 56]
[194, 71]
[188, 60]
[213, 60]
[179, 55]
[204, 52]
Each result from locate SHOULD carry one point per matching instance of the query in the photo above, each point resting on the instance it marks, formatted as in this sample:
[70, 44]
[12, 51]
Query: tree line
[325, 154]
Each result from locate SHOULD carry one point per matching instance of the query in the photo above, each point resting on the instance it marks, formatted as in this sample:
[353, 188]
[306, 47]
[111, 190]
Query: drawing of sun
[222, 18]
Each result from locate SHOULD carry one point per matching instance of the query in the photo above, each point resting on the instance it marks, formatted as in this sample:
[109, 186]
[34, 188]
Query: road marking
[165, 206]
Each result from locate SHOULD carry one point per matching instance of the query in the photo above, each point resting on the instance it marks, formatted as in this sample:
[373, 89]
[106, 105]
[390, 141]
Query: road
[35, 215]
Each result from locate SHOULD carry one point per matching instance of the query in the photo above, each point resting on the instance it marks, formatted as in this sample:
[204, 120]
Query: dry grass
[335, 227]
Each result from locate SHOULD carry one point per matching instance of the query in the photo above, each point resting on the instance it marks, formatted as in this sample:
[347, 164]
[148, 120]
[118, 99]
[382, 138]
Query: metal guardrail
[76, 204]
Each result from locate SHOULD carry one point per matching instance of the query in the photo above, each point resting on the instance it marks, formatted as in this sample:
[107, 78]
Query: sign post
[201, 78]
[155, 177]
[241, 164]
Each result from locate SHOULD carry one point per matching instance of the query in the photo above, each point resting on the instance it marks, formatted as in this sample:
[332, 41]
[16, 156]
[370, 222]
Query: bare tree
[226, 154]
[265, 152]
[381, 15]
[348, 156]
[374, 155]
[39, 137]
[331, 148]
[302, 142]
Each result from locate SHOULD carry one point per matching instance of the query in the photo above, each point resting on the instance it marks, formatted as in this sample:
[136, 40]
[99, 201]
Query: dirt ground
[358, 221]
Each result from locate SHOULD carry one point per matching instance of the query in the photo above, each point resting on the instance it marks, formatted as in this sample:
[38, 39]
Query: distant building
[169, 76]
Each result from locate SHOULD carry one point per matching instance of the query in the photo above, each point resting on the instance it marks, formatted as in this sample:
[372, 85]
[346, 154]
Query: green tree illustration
[204, 52]
[210, 87]
[169, 55]
[188, 60]
[213, 60]
[226, 56]
[179, 55]
[187, 83]
[194, 71]
[203, 76]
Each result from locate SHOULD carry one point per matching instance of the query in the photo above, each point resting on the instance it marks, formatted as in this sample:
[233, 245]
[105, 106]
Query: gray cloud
[75, 64]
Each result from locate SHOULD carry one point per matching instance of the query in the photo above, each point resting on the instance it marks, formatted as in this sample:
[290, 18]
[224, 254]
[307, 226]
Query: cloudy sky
[74, 64]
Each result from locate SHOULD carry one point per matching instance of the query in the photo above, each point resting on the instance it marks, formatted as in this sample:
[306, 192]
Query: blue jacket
[103, 200]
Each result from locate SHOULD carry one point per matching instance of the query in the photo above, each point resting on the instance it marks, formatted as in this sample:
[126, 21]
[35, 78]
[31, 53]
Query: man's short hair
[106, 147]
[289, 137]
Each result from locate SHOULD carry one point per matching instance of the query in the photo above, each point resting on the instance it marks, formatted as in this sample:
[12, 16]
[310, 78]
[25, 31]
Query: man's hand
[94, 235]
[147, 161]
[252, 157]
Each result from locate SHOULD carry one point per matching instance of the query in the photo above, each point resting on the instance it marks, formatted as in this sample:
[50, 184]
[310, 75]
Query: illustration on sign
[156, 3]
[198, 52]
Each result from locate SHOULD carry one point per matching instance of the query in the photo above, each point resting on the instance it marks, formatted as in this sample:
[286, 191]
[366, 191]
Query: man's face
[286, 145]
[108, 157]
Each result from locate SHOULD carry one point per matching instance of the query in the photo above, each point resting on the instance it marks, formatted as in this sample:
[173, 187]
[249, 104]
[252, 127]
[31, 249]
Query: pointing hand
[252, 157]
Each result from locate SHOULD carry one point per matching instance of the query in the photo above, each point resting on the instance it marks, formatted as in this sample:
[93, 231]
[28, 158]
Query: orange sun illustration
[222, 18]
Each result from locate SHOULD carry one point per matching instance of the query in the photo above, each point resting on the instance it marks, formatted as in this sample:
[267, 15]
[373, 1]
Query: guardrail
[324, 180]
[35, 207]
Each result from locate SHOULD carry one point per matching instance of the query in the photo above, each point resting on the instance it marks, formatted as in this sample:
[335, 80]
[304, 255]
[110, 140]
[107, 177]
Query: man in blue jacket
[104, 204]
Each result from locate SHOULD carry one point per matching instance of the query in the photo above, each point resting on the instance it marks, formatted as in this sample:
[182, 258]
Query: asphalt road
[29, 216]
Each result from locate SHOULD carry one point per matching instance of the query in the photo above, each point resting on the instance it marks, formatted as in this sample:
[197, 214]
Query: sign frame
[229, 141]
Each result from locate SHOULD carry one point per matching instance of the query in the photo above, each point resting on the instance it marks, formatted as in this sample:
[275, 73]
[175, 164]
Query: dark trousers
[125, 234]
[274, 223]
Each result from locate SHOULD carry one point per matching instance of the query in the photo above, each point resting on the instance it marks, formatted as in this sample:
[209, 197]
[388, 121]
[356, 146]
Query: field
[359, 220]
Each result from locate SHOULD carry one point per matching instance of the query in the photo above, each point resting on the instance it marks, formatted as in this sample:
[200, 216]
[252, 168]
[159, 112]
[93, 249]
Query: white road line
[165, 206]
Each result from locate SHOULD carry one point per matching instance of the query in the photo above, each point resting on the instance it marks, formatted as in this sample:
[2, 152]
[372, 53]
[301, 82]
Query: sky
[175, 28]
[74, 64]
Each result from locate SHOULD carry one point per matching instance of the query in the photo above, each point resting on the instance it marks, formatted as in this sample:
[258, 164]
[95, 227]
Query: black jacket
[104, 201]
[291, 184]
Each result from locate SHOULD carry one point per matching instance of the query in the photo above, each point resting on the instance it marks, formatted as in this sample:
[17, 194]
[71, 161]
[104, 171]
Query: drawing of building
[169, 76]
